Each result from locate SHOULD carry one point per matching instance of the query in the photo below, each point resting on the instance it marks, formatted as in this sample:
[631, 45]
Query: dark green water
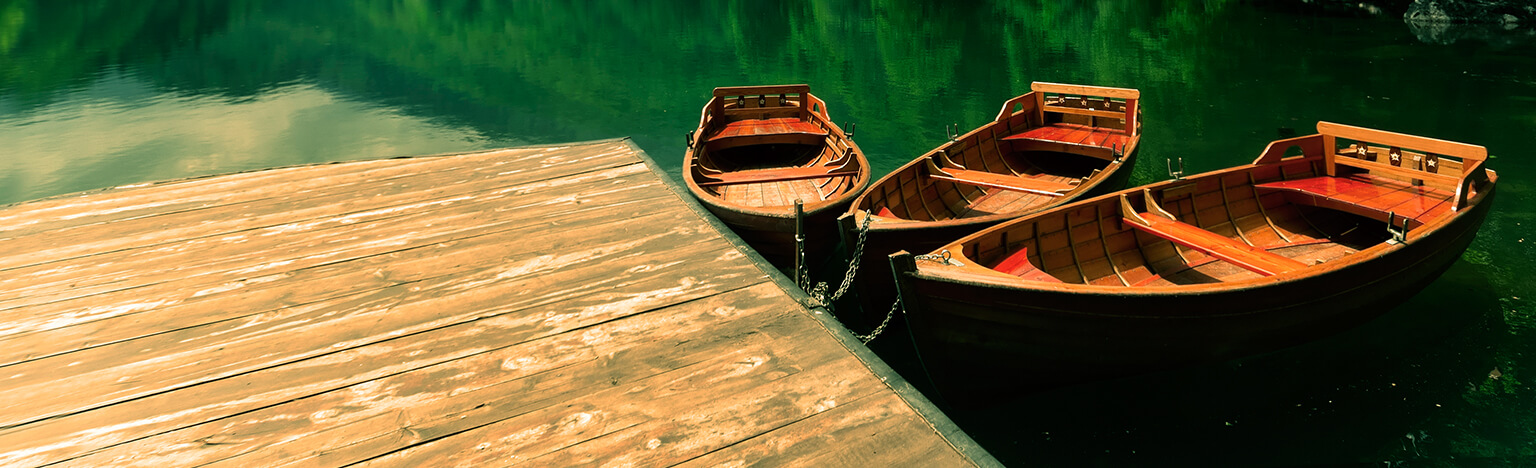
[102, 93]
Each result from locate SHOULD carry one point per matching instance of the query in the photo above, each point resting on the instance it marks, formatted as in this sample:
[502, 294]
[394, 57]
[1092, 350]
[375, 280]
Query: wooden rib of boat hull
[981, 344]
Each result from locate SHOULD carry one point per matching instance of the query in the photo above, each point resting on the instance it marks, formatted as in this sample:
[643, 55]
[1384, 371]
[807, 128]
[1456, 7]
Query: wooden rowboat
[757, 150]
[1053, 145]
[1202, 269]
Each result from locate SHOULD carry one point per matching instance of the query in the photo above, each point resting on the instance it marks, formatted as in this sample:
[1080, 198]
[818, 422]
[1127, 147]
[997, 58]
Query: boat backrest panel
[1128, 112]
[763, 101]
[1395, 158]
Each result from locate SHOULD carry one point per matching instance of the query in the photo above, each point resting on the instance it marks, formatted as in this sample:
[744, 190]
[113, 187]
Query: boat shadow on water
[1351, 398]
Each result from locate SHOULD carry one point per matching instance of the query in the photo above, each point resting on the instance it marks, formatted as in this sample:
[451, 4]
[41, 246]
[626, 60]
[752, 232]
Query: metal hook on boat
[1176, 175]
[942, 257]
[849, 133]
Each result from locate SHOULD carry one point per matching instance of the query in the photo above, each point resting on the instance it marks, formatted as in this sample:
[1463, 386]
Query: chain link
[853, 264]
[876, 332]
[820, 291]
[802, 277]
[802, 272]
[942, 257]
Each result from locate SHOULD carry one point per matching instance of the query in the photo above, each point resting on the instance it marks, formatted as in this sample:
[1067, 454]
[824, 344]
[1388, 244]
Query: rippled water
[99, 93]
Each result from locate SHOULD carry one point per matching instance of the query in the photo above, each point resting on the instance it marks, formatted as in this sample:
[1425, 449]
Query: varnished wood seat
[1160, 223]
[774, 175]
[758, 127]
[1107, 139]
[1000, 181]
[1366, 195]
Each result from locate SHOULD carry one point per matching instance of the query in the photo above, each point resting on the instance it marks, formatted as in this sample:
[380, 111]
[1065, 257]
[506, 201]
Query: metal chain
[820, 291]
[802, 272]
[853, 264]
[942, 257]
[876, 332]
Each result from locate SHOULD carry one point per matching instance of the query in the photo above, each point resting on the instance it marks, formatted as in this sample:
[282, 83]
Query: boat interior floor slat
[1003, 201]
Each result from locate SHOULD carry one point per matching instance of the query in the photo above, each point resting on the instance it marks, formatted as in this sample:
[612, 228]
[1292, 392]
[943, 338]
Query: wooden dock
[552, 306]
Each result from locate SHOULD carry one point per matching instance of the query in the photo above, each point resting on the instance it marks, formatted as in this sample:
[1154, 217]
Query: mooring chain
[942, 257]
[820, 291]
[802, 272]
[876, 332]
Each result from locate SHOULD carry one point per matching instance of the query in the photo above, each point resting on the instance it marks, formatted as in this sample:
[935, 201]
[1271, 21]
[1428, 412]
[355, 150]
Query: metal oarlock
[1399, 234]
[849, 132]
[1176, 175]
[953, 135]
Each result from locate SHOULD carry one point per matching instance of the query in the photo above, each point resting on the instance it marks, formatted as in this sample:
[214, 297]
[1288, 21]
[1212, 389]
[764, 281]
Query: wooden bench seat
[773, 175]
[755, 127]
[1073, 135]
[1366, 195]
[1160, 223]
[1216, 245]
[999, 181]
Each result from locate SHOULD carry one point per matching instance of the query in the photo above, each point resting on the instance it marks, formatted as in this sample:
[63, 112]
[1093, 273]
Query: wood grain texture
[558, 304]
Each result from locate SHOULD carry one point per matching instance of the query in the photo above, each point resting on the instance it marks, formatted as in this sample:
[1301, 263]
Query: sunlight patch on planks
[554, 305]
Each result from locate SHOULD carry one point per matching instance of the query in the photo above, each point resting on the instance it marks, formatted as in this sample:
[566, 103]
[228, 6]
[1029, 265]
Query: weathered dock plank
[554, 305]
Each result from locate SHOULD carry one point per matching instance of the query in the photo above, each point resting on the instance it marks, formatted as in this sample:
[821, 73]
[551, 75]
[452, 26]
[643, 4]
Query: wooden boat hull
[756, 151]
[980, 342]
[1006, 312]
[1047, 133]
[773, 236]
[875, 285]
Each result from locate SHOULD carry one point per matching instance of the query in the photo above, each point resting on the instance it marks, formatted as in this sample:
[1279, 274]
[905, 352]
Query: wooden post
[1330, 151]
[1130, 116]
